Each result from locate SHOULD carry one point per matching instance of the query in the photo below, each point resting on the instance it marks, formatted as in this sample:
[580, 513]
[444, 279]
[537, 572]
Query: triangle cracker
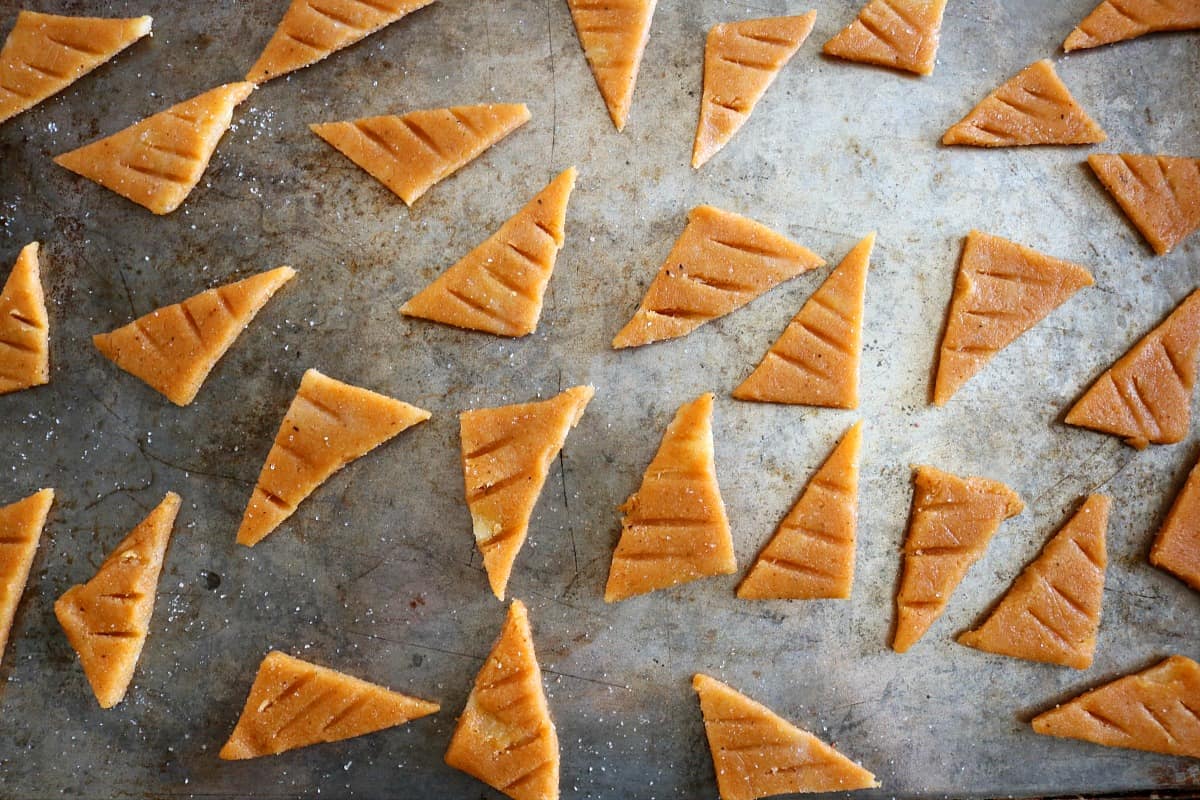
[21, 526]
[1159, 194]
[1120, 20]
[899, 34]
[613, 36]
[24, 326]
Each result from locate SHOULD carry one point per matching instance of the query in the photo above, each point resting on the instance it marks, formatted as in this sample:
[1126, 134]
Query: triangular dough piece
[756, 753]
[24, 326]
[674, 527]
[812, 553]
[1052, 611]
[505, 736]
[900, 34]
[174, 348]
[720, 263]
[157, 162]
[1033, 107]
[1157, 709]
[953, 520]
[1118, 20]
[498, 287]
[613, 35]
[1177, 548]
[1002, 290]
[1146, 395]
[410, 153]
[328, 425]
[741, 60]
[313, 29]
[815, 362]
[295, 704]
[21, 526]
[1159, 194]
[106, 619]
[506, 453]
[45, 54]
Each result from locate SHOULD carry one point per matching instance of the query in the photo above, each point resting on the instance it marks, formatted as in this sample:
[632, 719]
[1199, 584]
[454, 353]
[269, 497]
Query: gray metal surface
[377, 573]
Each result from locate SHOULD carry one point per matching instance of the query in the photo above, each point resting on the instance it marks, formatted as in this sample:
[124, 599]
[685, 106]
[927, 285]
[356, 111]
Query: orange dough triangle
[505, 736]
[674, 527]
[410, 153]
[953, 520]
[756, 753]
[1033, 107]
[174, 348]
[157, 162]
[498, 287]
[812, 552]
[328, 425]
[1052, 611]
[1002, 290]
[741, 59]
[613, 34]
[901, 34]
[106, 619]
[313, 29]
[1177, 548]
[1157, 709]
[1146, 396]
[815, 361]
[45, 54]
[720, 263]
[24, 326]
[1159, 194]
[294, 704]
[506, 453]
[1118, 20]
[21, 526]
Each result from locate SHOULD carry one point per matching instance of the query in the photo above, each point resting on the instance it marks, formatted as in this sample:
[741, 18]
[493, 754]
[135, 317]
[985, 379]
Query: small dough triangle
[173, 349]
[900, 34]
[157, 162]
[505, 736]
[24, 326]
[741, 60]
[498, 287]
[816, 360]
[328, 425]
[1033, 107]
[410, 153]
[1002, 290]
[1145, 397]
[1177, 547]
[107, 619]
[296, 704]
[21, 526]
[756, 753]
[313, 29]
[506, 454]
[45, 54]
[1157, 709]
[953, 520]
[613, 36]
[674, 529]
[1159, 194]
[1052, 611]
[1119, 20]
[720, 263]
[811, 555]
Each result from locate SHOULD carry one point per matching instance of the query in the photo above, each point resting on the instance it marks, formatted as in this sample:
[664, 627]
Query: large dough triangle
[1118, 20]
[1159, 194]
[24, 326]
[175, 347]
[674, 527]
[613, 34]
[328, 425]
[1052, 611]
[901, 34]
[107, 619]
[506, 454]
[498, 287]
[21, 526]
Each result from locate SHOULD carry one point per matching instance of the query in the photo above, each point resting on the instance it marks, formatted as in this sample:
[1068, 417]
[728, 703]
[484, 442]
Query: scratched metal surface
[377, 573]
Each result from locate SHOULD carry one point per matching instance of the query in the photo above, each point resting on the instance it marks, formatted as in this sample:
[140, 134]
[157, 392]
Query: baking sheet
[377, 573]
